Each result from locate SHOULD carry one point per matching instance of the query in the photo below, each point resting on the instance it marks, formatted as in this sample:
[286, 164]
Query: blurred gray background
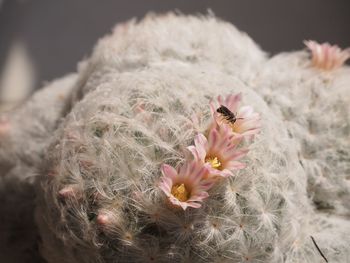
[44, 39]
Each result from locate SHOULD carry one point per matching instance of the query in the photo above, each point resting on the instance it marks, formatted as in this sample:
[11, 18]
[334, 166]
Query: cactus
[315, 107]
[24, 134]
[138, 103]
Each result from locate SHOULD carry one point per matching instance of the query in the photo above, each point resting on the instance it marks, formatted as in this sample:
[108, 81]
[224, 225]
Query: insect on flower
[227, 114]
[245, 122]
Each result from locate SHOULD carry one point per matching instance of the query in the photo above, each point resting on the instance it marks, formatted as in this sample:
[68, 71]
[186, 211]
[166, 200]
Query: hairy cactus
[139, 102]
[315, 107]
[24, 135]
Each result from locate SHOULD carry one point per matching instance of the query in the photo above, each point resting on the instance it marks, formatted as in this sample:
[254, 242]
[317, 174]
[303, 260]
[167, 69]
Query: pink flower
[70, 192]
[242, 121]
[327, 57]
[218, 152]
[5, 126]
[186, 188]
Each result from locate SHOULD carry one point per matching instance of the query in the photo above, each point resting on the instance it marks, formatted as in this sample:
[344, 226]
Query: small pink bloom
[140, 107]
[327, 57]
[103, 219]
[186, 187]
[70, 191]
[218, 152]
[52, 172]
[72, 135]
[141, 112]
[242, 121]
[107, 217]
[5, 126]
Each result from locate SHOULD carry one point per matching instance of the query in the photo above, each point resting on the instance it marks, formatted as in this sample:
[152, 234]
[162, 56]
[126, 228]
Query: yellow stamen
[235, 128]
[180, 192]
[214, 162]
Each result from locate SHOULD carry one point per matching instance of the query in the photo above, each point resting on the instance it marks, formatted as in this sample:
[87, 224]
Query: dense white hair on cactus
[315, 109]
[120, 157]
[267, 207]
[215, 231]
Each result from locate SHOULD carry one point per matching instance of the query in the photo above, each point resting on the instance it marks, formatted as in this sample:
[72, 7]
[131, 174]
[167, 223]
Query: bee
[228, 115]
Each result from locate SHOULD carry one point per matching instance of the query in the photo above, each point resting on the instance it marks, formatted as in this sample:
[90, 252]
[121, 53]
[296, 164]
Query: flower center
[214, 162]
[180, 192]
[234, 127]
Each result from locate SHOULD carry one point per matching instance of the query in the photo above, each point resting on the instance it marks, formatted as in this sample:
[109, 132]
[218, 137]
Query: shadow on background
[58, 34]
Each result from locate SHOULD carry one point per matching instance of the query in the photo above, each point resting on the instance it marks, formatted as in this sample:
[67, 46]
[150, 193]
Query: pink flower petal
[226, 173]
[198, 197]
[199, 174]
[201, 144]
[194, 205]
[207, 185]
[213, 138]
[169, 171]
[245, 111]
[326, 56]
[232, 102]
[174, 201]
[233, 165]
[221, 100]
[213, 109]
[194, 152]
[165, 188]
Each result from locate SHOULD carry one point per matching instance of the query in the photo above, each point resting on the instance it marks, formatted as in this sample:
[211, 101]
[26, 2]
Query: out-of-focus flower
[5, 126]
[186, 187]
[326, 56]
[243, 121]
[70, 192]
[218, 152]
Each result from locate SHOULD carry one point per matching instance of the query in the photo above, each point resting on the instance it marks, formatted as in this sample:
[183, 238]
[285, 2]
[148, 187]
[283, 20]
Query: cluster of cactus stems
[133, 160]
[102, 188]
[150, 172]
